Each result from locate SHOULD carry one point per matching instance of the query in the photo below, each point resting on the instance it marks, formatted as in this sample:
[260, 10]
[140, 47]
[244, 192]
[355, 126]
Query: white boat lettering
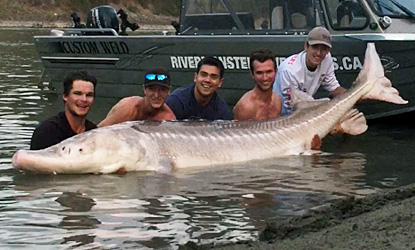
[185, 62]
[229, 62]
[95, 47]
[235, 62]
[347, 63]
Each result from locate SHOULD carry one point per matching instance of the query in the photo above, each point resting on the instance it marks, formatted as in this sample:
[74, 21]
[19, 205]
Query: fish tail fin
[373, 71]
[353, 123]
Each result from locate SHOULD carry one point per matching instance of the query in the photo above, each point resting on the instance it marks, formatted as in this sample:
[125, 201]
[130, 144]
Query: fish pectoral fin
[112, 168]
[165, 165]
[383, 91]
[353, 123]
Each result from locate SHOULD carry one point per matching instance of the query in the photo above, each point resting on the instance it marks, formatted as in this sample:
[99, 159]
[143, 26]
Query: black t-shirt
[54, 130]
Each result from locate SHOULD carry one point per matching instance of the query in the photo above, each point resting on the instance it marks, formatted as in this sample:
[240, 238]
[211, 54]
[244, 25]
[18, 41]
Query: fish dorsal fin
[353, 123]
[301, 100]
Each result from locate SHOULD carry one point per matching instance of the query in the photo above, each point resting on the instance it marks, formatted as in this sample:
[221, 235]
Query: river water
[151, 210]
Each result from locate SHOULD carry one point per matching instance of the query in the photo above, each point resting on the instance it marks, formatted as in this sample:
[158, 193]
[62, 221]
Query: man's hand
[316, 142]
[337, 91]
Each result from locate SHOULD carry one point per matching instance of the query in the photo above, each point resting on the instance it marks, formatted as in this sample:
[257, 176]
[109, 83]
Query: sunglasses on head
[158, 77]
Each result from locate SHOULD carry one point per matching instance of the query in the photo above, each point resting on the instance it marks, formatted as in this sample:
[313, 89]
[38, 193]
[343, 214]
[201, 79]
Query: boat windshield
[394, 8]
[233, 16]
[346, 14]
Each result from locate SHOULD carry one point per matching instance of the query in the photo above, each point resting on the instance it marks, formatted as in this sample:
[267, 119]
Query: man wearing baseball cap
[308, 70]
[150, 107]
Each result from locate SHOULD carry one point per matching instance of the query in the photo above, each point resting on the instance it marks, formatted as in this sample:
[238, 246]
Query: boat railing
[90, 32]
[216, 21]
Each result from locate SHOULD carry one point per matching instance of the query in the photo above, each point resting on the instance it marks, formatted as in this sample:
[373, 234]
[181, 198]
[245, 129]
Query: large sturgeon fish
[137, 146]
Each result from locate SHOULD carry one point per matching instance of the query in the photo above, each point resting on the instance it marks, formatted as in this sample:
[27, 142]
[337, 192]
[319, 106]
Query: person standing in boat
[200, 100]
[260, 103]
[78, 97]
[150, 107]
[308, 70]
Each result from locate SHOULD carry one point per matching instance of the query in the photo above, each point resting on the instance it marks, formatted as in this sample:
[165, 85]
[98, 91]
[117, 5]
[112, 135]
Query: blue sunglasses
[153, 77]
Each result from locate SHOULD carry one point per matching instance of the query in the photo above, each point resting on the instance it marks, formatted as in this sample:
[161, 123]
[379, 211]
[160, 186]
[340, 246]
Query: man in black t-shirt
[78, 96]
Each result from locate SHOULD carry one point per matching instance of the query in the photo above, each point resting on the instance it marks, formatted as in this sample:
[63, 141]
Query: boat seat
[277, 18]
[344, 21]
[298, 20]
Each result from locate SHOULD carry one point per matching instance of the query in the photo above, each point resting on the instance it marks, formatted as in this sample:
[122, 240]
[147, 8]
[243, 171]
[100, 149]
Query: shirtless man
[150, 107]
[260, 103]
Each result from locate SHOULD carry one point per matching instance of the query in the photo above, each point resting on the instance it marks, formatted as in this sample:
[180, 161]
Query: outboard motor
[102, 17]
[125, 23]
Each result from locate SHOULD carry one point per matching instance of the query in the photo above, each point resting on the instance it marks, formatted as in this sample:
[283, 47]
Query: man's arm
[339, 90]
[330, 82]
[224, 112]
[284, 82]
[166, 114]
[174, 103]
[124, 110]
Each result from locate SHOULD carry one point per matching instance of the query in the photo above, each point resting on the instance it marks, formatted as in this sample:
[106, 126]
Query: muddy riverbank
[379, 221]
